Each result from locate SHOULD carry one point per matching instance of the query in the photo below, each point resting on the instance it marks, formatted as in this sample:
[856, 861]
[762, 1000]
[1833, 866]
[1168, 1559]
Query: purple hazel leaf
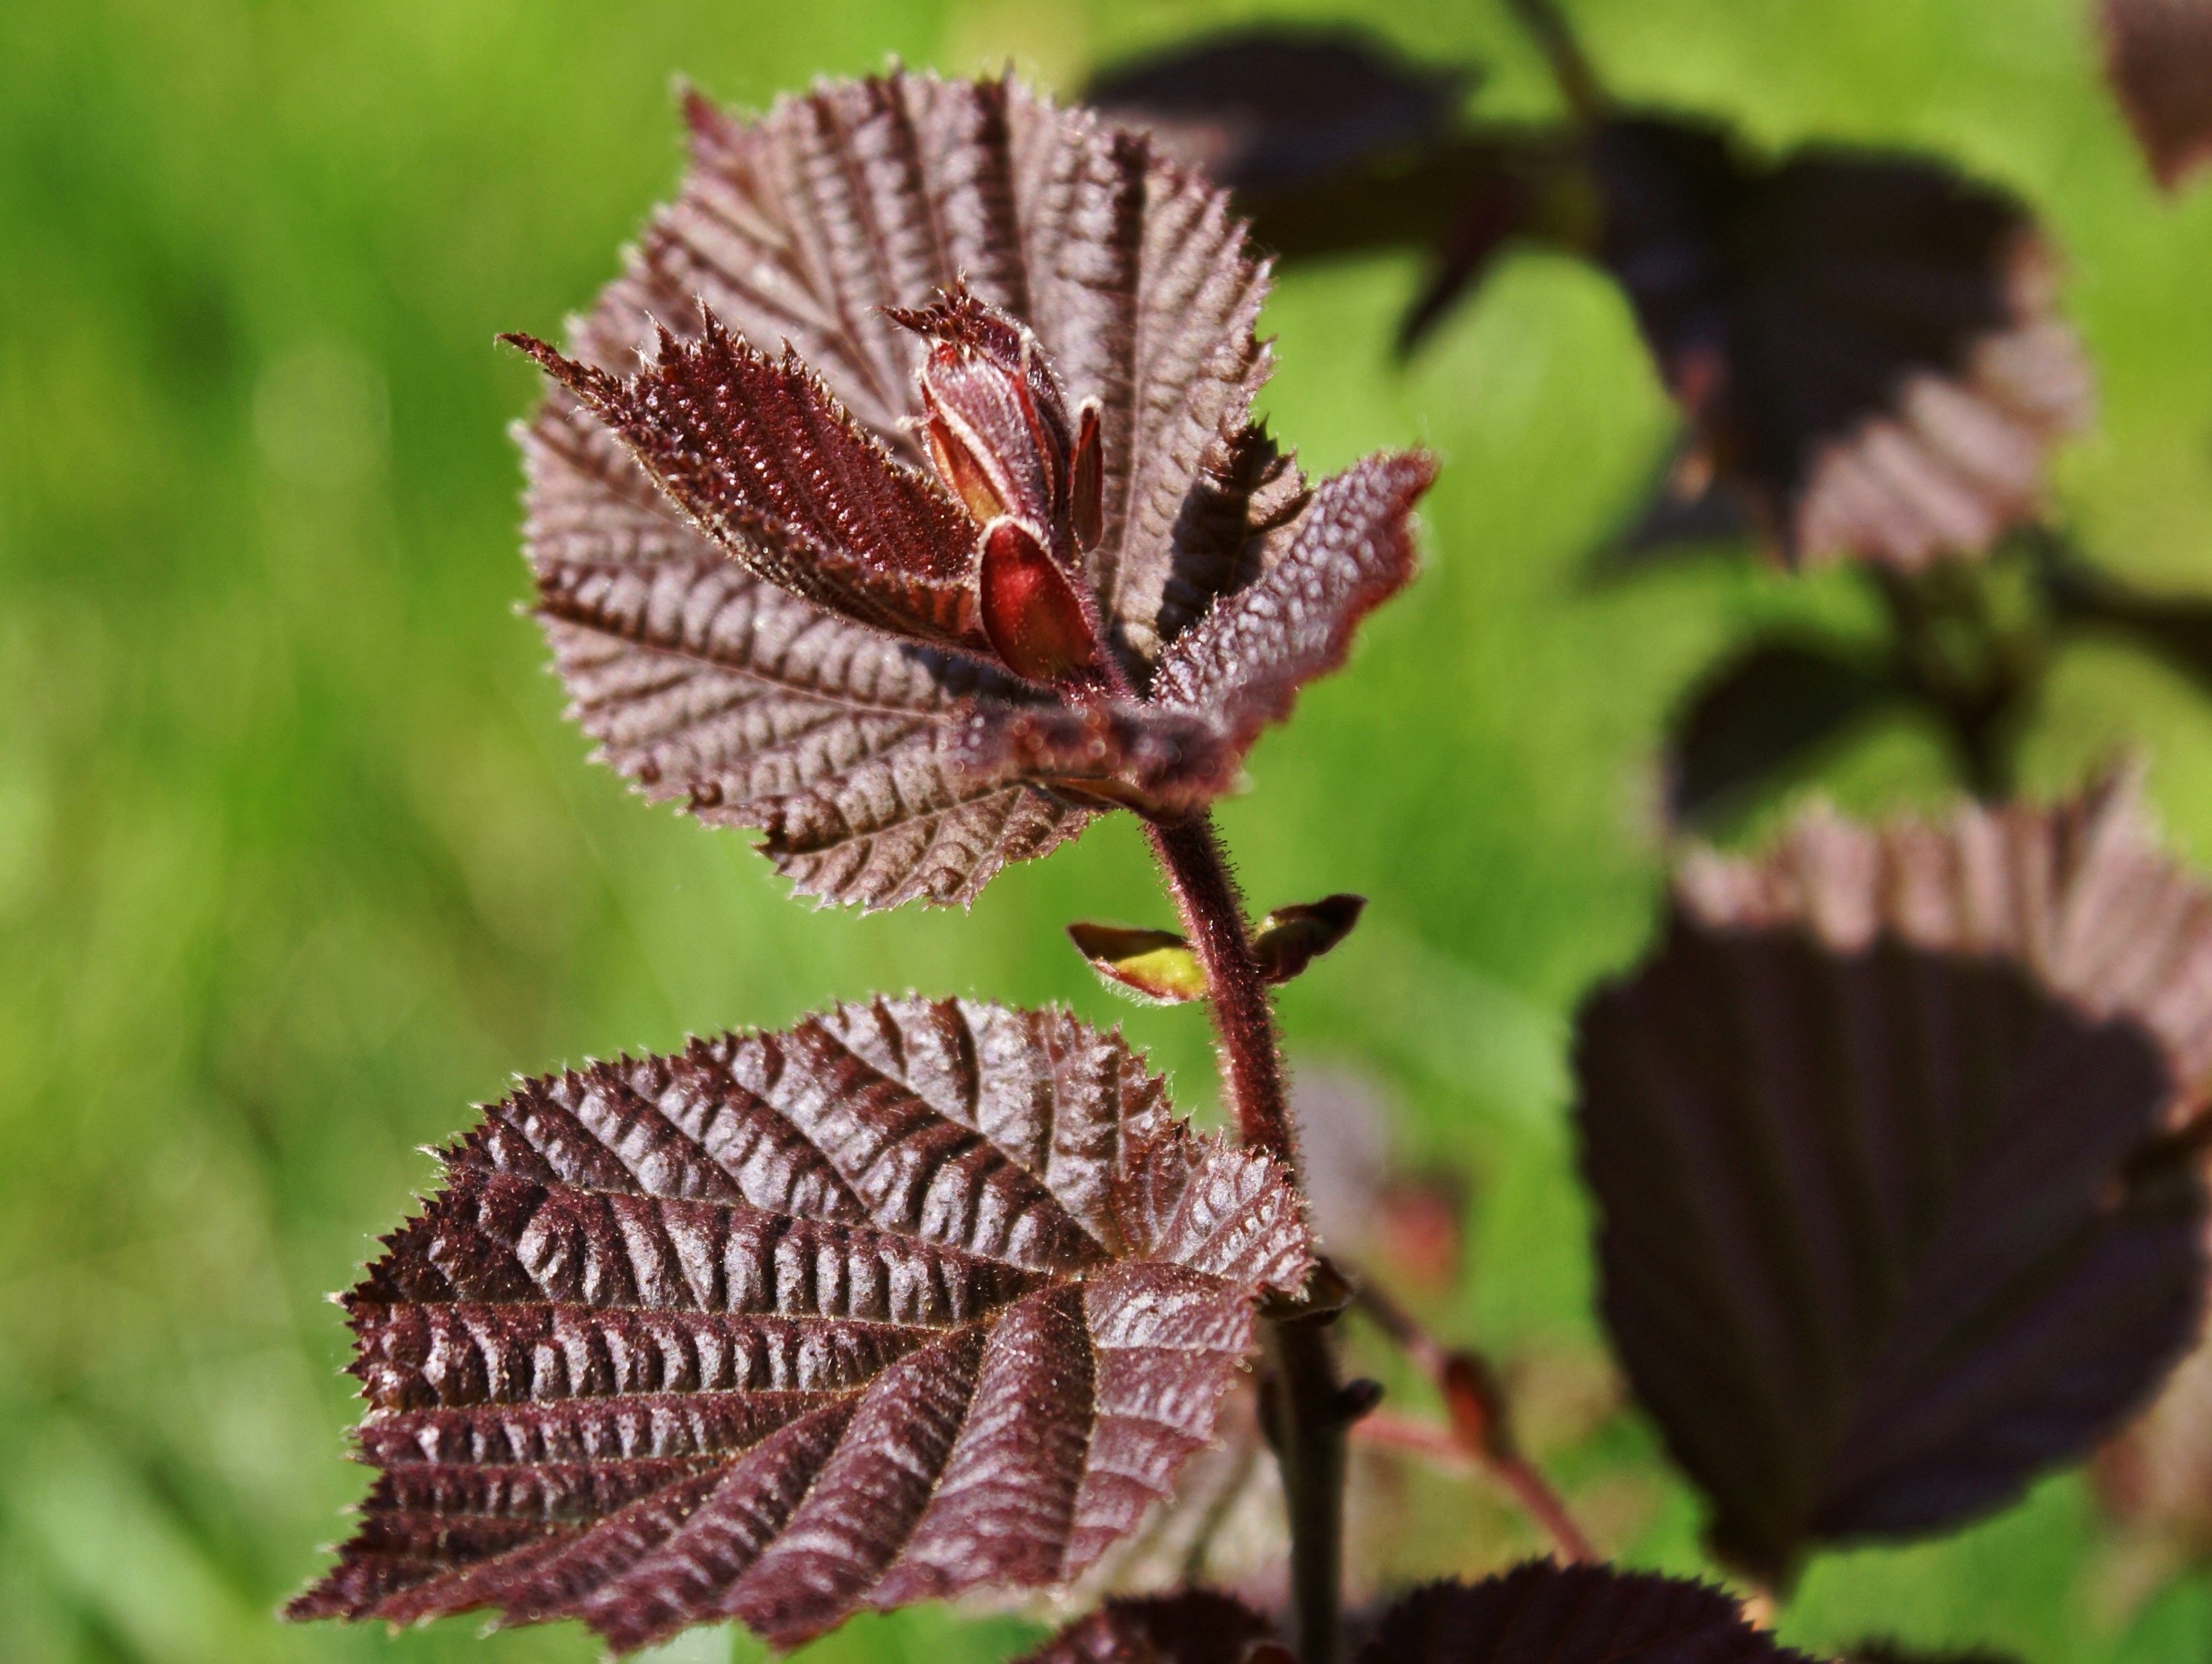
[1159, 967]
[1865, 345]
[1245, 661]
[1271, 108]
[913, 1298]
[1196, 1627]
[1542, 1613]
[765, 460]
[1004, 460]
[1162, 763]
[2158, 56]
[1893, 1219]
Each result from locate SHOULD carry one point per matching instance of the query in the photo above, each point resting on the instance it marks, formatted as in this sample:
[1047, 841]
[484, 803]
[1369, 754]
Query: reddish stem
[1243, 1014]
[1303, 1405]
[1478, 1431]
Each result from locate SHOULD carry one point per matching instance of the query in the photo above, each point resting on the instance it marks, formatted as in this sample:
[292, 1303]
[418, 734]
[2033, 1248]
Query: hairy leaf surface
[782, 301]
[1244, 662]
[1887, 1223]
[913, 1298]
[1541, 1613]
[705, 683]
[2158, 54]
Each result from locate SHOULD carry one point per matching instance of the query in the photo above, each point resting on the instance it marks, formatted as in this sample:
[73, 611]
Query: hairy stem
[1243, 1014]
[1303, 1406]
[1480, 1429]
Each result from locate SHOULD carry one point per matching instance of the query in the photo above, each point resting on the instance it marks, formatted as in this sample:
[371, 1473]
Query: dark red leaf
[1270, 107]
[2079, 891]
[1541, 1613]
[2158, 54]
[1195, 1627]
[1766, 712]
[1889, 1652]
[1244, 662]
[1886, 1230]
[704, 684]
[912, 1298]
[1865, 344]
[942, 256]
[762, 457]
[1291, 937]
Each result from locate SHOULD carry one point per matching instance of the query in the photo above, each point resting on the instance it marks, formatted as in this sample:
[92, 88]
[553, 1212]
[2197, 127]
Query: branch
[1554, 36]
[1478, 1432]
[1304, 1407]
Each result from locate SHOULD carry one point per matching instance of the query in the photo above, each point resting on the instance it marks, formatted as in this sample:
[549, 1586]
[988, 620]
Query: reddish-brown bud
[996, 422]
[1031, 612]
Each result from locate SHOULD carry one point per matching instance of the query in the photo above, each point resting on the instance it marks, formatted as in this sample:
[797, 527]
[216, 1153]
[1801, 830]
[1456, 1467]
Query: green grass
[297, 858]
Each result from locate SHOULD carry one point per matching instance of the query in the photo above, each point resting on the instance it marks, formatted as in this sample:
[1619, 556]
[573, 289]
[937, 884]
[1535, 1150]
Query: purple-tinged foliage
[1029, 555]
[1196, 1627]
[914, 1298]
[2158, 54]
[1892, 1218]
[1542, 1613]
[1863, 344]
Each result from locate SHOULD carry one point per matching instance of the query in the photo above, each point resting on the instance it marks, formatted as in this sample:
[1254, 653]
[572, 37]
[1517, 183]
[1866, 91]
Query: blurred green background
[297, 858]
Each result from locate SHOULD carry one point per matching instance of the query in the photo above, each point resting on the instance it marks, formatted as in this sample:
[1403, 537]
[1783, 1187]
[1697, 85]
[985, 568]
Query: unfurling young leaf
[1197, 1626]
[2157, 55]
[1158, 966]
[1541, 1613]
[1291, 937]
[1892, 1216]
[1161, 966]
[992, 544]
[912, 1298]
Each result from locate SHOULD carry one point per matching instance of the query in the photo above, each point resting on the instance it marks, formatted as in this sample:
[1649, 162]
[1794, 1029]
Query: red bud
[1031, 612]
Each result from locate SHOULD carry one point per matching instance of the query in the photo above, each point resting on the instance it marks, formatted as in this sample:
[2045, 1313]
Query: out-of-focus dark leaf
[1274, 107]
[1291, 937]
[2079, 891]
[1333, 143]
[1197, 1626]
[1542, 1613]
[913, 1298]
[1889, 1652]
[1686, 504]
[2156, 1479]
[845, 223]
[1864, 343]
[2176, 628]
[1887, 1228]
[1766, 711]
[2158, 54]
